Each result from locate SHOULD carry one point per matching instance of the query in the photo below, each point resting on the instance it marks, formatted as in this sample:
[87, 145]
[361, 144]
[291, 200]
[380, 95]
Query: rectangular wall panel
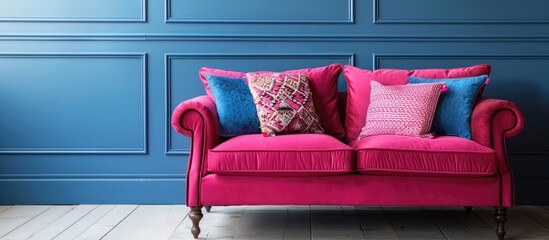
[183, 82]
[460, 11]
[253, 11]
[73, 103]
[73, 10]
[523, 87]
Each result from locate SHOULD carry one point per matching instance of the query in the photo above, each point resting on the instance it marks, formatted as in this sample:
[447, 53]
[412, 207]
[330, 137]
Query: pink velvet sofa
[317, 169]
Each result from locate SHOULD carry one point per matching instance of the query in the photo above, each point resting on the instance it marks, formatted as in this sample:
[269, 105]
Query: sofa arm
[197, 118]
[494, 120]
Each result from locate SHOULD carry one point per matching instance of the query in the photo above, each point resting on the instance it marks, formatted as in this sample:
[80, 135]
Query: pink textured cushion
[442, 156]
[401, 109]
[286, 155]
[323, 84]
[284, 103]
[358, 88]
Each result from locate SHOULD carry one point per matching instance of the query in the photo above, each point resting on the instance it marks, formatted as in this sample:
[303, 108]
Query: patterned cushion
[401, 109]
[235, 106]
[284, 103]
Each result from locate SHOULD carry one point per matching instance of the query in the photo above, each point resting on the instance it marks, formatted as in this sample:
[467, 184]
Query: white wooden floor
[157, 222]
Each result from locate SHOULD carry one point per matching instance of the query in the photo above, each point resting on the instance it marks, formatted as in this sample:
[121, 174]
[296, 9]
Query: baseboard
[119, 190]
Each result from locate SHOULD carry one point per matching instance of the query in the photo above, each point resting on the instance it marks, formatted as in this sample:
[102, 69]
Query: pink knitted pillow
[284, 103]
[401, 109]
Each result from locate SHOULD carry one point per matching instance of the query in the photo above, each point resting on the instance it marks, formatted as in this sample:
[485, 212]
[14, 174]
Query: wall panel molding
[142, 57]
[174, 37]
[378, 57]
[377, 19]
[349, 19]
[349, 57]
[140, 16]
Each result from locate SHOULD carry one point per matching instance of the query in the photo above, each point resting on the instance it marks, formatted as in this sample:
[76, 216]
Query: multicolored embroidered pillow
[401, 109]
[284, 103]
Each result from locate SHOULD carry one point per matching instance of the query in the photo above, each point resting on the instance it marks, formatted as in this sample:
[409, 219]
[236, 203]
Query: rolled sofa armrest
[197, 118]
[494, 120]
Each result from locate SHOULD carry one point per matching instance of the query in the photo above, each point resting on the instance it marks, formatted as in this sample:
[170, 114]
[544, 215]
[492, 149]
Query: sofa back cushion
[323, 85]
[358, 88]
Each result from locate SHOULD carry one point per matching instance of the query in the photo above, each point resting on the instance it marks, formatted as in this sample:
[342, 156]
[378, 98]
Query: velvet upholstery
[350, 189]
[410, 156]
[492, 121]
[317, 154]
[196, 118]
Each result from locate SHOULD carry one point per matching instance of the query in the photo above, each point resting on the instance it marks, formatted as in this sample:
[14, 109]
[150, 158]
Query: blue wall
[87, 87]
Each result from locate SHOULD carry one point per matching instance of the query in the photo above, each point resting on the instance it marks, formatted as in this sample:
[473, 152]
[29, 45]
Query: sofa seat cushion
[442, 156]
[285, 155]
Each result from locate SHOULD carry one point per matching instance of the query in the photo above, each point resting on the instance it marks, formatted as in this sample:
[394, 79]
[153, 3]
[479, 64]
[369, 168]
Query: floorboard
[518, 226]
[107, 222]
[334, 222]
[64, 222]
[412, 223]
[299, 223]
[15, 216]
[42, 220]
[456, 223]
[84, 223]
[375, 224]
[539, 214]
[170, 222]
[149, 222]
[4, 207]
[262, 222]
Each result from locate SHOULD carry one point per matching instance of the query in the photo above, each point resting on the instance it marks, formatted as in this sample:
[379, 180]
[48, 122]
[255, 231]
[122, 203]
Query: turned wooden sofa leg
[196, 215]
[468, 209]
[501, 217]
[208, 208]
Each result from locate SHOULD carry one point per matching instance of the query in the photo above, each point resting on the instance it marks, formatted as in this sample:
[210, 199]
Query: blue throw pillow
[235, 106]
[453, 115]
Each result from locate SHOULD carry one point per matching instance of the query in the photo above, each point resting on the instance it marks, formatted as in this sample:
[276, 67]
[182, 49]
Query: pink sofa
[316, 169]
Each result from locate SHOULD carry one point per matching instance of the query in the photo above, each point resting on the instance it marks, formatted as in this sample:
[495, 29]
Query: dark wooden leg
[195, 215]
[501, 217]
[208, 208]
[468, 209]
